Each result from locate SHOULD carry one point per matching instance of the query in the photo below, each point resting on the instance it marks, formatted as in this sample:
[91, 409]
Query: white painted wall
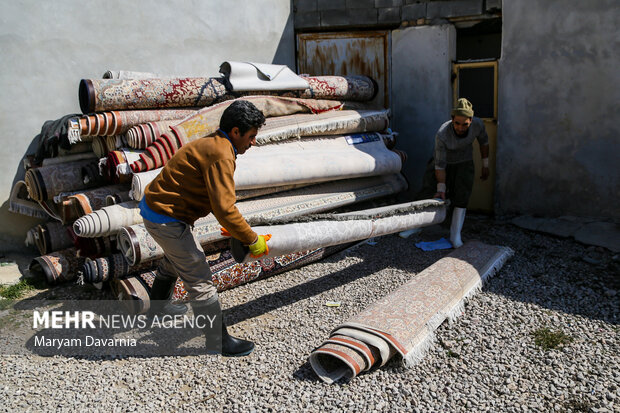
[46, 47]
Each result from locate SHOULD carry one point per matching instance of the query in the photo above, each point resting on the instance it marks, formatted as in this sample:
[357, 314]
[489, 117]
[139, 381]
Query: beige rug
[403, 322]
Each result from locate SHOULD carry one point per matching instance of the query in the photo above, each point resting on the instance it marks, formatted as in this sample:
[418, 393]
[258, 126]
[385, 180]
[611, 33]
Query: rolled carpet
[403, 322]
[29, 159]
[84, 202]
[332, 229]
[21, 203]
[52, 236]
[95, 247]
[100, 146]
[309, 161]
[119, 122]
[116, 142]
[143, 135]
[57, 267]
[108, 220]
[116, 167]
[226, 273]
[48, 181]
[117, 198]
[128, 74]
[112, 267]
[103, 145]
[206, 122]
[138, 246]
[315, 160]
[98, 95]
[140, 180]
[91, 175]
[344, 122]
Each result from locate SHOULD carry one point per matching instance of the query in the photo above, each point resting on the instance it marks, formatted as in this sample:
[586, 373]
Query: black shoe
[225, 344]
[160, 303]
[234, 347]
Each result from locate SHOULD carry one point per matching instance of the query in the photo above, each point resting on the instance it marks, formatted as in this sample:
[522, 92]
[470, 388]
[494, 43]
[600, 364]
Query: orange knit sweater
[199, 180]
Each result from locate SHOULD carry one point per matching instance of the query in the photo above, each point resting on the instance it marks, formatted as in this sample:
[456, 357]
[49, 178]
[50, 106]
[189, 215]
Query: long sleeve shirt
[198, 180]
[451, 149]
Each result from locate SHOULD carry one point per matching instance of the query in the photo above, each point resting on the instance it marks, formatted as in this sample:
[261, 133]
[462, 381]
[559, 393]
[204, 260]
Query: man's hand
[441, 188]
[485, 163]
[485, 173]
[259, 247]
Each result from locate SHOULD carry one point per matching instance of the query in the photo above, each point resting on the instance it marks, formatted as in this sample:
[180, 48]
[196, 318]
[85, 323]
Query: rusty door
[348, 53]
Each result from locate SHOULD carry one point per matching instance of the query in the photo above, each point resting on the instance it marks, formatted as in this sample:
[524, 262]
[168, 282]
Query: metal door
[348, 53]
[477, 81]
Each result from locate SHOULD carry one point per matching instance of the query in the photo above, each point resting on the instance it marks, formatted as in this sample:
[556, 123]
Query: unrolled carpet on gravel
[485, 361]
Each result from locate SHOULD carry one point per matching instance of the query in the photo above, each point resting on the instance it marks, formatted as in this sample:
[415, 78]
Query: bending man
[452, 172]
[198, 180]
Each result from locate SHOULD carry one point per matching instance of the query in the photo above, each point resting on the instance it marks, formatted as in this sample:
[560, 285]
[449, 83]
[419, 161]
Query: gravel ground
[487, 360]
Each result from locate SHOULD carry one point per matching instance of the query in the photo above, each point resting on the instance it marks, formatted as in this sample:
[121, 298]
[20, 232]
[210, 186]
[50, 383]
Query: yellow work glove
[260, 248]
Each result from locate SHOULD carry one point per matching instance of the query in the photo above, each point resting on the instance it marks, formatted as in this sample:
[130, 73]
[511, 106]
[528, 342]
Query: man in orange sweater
[198, 180]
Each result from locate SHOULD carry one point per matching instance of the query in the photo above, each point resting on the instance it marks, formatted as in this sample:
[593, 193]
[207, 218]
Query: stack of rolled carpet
[321, 149]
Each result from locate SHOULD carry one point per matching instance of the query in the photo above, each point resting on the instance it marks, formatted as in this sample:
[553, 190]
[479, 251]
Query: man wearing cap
[196, 181]
[451, 173]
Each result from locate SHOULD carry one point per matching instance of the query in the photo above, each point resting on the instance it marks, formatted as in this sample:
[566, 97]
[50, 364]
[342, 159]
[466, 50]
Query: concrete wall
[421, 92]
[559, 99]
[47, 47]
[327, 15]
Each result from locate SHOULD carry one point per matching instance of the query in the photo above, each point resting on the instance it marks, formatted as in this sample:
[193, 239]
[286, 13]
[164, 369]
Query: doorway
[474, 76]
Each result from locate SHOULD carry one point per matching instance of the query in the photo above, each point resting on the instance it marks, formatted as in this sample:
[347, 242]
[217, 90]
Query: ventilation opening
[482, 41]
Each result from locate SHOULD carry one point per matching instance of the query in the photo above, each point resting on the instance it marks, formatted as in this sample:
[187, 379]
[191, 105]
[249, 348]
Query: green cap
[463, 108]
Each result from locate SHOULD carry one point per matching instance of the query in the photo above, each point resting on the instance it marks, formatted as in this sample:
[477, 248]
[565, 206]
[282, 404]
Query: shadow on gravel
[270, 302]
[558, 274]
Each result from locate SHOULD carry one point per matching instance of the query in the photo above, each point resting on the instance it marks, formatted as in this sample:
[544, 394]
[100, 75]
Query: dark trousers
[459, 183]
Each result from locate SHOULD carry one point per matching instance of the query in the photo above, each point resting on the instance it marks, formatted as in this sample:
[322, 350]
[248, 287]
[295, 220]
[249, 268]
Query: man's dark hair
[242, 114]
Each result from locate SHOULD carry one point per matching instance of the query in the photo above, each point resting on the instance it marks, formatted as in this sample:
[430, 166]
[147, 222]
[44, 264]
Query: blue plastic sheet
[440, 244]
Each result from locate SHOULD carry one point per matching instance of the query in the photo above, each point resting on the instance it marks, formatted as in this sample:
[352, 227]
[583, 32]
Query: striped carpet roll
[118, 122]
[100, 146]
[143, 135]
[403, 322]
[112, 267]
[108, 220]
